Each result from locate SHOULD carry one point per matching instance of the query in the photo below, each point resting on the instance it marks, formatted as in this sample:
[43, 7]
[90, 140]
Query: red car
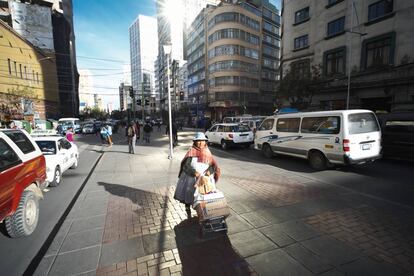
[22, 174]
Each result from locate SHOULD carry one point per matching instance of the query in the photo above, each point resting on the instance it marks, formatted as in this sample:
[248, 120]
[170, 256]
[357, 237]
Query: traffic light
[139, 102]
[131, 92]
[181, 96]
[146, 101]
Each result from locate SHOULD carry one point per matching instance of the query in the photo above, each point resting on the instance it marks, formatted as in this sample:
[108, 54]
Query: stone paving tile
[79, 225]
[298, 230]
[309, 259]
[368, 267]
[251, 242]
[76, 262]
[334, 251]
[236, 224]
[378, 233]
[121, 250]
[274, 233]
[135, 212]
[277, 262]
[276, 215]
[81, 240]
[280, 190]
[187, 260]
[254, 219]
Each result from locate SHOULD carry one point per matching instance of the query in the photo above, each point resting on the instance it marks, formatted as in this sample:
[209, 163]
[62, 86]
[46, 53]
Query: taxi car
[230, 134]
[60, 155]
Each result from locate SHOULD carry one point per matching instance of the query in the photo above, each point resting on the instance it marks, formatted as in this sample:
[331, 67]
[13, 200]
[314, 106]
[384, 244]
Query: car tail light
[346, 143]
[231, 135]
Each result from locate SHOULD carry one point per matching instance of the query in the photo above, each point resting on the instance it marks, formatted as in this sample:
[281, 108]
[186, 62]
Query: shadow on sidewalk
[214, 256]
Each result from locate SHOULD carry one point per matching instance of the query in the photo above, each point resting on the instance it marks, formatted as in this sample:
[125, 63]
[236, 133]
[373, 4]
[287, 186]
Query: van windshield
[362, 123]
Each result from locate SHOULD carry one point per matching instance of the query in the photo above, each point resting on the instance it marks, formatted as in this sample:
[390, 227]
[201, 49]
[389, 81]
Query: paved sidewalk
[126, 222]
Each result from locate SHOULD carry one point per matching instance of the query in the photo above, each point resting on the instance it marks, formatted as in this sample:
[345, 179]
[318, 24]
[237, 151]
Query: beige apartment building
[232, 52]
[371, 41]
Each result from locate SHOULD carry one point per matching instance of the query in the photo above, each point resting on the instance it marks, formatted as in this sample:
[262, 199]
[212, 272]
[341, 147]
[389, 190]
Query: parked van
[324, 138]
[75, 122]
[398, 135]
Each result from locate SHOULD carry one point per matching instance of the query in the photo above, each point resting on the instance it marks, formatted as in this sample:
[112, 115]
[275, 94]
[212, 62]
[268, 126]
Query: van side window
[362, 123]
[8, 158]
[288, 125]
[267, 124]
[322, 125]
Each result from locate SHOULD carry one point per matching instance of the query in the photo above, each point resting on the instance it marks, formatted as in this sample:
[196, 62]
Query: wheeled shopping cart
[213, 225]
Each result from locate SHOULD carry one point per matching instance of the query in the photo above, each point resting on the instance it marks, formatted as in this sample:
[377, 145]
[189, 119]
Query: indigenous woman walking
[188, 175]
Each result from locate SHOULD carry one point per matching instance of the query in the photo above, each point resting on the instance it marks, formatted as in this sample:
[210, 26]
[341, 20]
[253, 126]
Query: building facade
[233, 59]
[173, 17]
[366, 46]
[48, 25]
[124, 100]
[28, 82]
[143, 51]
[86, 100]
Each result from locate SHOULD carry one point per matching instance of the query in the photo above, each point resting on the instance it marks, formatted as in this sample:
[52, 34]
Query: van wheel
[267, 151]
[57, 177]
[317, 161]
[224, 145]
[24, 221]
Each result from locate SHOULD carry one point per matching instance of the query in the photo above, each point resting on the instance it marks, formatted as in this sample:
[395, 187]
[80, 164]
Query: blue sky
[101, 30]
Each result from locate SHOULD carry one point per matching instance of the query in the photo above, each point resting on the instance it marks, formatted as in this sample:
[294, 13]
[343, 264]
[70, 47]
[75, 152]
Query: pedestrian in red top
[69, 134]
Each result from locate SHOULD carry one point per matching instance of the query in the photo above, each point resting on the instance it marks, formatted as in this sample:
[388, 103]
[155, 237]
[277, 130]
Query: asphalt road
[390, 180]
[17, 254]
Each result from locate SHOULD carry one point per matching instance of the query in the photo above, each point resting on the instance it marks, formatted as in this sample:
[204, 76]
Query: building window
[379, 9]
[9, 63]
[25, 72]
[334, 62]
[301, 42]
[336, 27]
[21, 72]
[379, 51]
[15, 69]
[333, 2]
[300, 69]
[302, 15]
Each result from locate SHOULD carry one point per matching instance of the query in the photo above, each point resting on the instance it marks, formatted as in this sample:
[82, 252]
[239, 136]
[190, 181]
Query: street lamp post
[351, 31]
[167, 48]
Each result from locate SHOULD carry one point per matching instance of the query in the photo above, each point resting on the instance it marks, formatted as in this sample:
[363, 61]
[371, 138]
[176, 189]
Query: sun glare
[173, 11]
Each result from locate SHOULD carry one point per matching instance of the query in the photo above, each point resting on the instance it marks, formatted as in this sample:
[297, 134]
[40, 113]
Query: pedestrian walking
[109, 134]
[188, 175]
[131, 136]
[137, 130]
[69, 134]
[174, 133]
[147, 132]
[105, 136]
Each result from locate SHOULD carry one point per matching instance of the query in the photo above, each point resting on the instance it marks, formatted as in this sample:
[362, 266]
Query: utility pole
[143, 102]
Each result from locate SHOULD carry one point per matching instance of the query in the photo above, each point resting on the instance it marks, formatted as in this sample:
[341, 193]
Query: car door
[212, 134]
[64, 155]
[220, 133]
[10, 166]
[265, 132]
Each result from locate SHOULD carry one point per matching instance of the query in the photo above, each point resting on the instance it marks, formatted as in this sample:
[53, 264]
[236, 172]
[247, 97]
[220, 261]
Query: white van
[71, 121]
[324, 138]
